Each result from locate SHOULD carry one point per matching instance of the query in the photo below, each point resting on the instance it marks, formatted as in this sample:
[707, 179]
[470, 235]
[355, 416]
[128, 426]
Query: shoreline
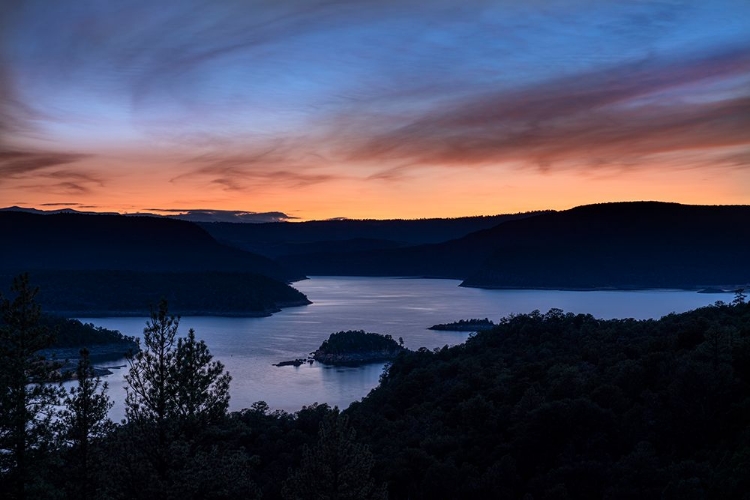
[713, 289]
[109, 313]
[708, 289]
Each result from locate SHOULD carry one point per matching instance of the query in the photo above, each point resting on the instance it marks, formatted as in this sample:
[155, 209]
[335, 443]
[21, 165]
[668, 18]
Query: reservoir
[248, 347]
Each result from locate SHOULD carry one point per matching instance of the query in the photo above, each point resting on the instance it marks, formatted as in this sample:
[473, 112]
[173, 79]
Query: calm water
[401, 307]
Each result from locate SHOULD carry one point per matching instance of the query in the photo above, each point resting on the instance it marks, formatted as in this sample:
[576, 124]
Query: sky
[307, 109]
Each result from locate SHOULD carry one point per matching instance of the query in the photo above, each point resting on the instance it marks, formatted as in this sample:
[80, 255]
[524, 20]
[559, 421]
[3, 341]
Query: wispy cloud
[18, 164]
[606, 117]
[274, 166]
[48, 172]
[237, 97]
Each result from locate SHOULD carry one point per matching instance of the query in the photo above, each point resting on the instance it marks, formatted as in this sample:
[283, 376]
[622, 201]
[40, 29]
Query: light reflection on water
[401, 307]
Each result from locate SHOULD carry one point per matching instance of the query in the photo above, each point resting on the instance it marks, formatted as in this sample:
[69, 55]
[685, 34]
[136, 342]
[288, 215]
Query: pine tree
[27, 403]
[150, 396]
[149, 393]
[202, 385]
[173, 388]
[84, 419]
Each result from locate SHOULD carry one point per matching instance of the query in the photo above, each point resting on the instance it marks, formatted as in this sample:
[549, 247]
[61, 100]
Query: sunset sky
[372, 108]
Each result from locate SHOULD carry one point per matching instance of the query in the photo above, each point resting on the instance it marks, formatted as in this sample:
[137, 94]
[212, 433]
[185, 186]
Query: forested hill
[116, 265]
[293, 238]
[115, 242]
[620, 245]
[615, 245]
[89, 293]
[559, 405]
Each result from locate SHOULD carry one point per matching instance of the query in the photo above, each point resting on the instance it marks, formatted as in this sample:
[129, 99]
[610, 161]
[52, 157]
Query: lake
[248, 347]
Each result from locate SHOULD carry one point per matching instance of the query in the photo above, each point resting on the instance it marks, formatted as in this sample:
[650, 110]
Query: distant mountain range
[66, 241]
[620, 245]
[612, 245]
[287, 239]
[192, 215]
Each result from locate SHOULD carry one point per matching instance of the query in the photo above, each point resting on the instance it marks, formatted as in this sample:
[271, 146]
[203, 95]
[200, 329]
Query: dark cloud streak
[17, 164]
[592, 119]
[272, 166]
[210, 215]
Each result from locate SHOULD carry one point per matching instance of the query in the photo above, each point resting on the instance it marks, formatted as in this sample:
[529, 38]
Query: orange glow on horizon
[438, 192]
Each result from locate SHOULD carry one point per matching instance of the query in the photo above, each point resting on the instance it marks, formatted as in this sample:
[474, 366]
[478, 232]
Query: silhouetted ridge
[620, 245]
[287, 239]
[611, 245]
[132, 293]
[115, 242]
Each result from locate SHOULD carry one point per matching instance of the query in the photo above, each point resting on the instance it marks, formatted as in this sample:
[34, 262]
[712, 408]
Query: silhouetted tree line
[545, 405]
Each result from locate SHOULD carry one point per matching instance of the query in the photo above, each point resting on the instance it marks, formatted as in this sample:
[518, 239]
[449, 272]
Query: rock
[296, 362]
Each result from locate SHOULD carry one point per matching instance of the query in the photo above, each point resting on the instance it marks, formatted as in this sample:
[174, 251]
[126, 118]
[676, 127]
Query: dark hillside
[617, 245]
[621, 245]
[115, 242]
[131, 293]
[293, 238]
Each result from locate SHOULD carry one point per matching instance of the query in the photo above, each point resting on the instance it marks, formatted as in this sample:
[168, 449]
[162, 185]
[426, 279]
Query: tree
[173, 386]
[739, 297]
[202, 385]
[27, 403]
[84, 419]
[149, 394]
[338, 468]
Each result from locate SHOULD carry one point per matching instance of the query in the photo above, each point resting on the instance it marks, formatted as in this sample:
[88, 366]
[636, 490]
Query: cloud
[41, 171]
[263, 96]
[272, 166]
[605, 117]
[627, 116]
[64, 188]
[16, 164]
[210, 215]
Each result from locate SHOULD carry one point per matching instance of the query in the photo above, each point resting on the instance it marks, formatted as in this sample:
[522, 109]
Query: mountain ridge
[608, 245]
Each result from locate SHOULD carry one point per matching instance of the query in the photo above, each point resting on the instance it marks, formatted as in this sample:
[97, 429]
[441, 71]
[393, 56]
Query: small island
[357, 347]
[294, 362]
[465, 325]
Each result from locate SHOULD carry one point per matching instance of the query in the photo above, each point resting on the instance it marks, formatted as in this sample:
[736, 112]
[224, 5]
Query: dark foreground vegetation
[544, 406]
